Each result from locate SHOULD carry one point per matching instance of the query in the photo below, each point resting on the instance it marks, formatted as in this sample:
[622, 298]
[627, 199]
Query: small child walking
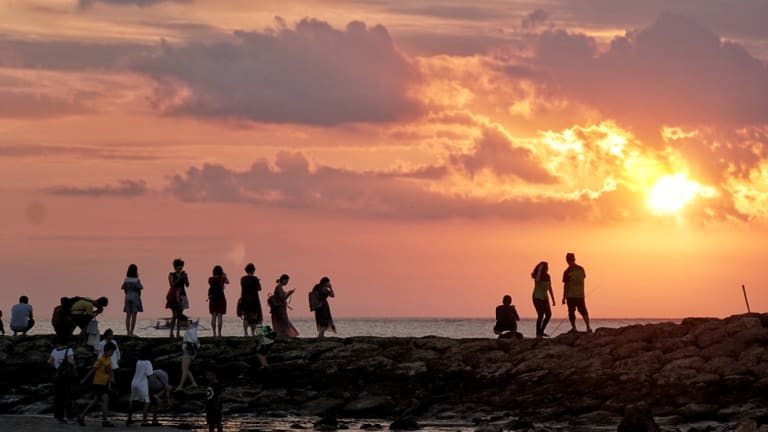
[101, 385]
[213, 407]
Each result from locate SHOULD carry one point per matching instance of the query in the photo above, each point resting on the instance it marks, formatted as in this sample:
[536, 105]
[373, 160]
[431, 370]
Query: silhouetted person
[62, 359]
[176, 300]
[249, 305]
[573, 291]
[278, 307]
[506, 319]
[21, 317]
[132, 287]
[83, 310]
[217, 301]
[101, 387]
[213, 405]
[323, 317]
[190, 345]
[542, 284]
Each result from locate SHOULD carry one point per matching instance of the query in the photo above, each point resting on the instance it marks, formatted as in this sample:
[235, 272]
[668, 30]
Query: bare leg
[221, 322]
[90, 405]
[586, 321]
[146, 411]
[104, 406]
[245, 326]
[213, 324]
[128, 323]
[173, 323]
[133, 323]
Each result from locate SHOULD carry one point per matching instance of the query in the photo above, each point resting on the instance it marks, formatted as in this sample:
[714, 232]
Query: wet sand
[31, 423]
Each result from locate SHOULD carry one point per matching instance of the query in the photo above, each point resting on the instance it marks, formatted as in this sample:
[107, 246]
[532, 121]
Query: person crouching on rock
[506, 319]
[83, 310]
[542, 284]
[101, 386]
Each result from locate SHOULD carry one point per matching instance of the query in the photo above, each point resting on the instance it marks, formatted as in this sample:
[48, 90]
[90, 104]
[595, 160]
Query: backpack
[273, 302]
[66, 370]
[315, 302]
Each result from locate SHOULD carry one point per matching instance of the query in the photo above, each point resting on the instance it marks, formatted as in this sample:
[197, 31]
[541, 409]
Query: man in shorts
[21, 317]
[101, 386]
[573, 292]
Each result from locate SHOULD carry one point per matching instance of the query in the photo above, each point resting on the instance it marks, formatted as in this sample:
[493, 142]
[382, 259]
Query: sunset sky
[423, 154]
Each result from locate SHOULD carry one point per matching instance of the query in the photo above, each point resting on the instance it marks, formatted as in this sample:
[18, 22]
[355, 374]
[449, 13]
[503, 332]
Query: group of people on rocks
[248, 305]
[573, 296]
[149, 386]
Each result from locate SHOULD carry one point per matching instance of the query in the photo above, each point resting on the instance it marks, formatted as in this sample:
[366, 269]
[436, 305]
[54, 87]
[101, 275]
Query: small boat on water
[165, 324]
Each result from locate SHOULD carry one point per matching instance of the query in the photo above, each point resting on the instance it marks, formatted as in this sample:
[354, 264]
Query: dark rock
[637, 418]
[328, 423]
[298, 426]
[371, 426]
[407, 424]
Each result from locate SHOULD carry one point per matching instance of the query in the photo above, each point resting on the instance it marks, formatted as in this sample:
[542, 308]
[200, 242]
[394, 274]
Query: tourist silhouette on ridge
[542, 284]
[573, 292]
[506, 319]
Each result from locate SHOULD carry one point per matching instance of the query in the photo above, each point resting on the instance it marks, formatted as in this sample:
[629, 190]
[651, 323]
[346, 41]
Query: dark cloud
[290, 183]
[311, 74]
[534, 19]
[674, 72]
[495, 152]
[85, 4]
[741, 18]
[125, 188]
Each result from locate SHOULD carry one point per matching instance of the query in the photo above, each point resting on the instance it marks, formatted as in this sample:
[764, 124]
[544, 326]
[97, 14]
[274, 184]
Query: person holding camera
[176, 300]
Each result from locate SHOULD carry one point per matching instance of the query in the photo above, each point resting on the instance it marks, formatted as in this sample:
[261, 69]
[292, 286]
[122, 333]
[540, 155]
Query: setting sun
[673, 192]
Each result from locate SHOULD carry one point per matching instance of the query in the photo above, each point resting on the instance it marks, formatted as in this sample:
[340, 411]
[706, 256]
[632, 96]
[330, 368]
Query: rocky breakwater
[700, 369]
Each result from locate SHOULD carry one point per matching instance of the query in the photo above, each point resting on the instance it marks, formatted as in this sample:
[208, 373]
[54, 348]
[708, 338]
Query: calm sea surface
[399, 327]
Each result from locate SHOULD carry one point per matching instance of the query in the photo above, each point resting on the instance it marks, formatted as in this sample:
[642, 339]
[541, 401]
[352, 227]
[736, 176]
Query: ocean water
[348, 327]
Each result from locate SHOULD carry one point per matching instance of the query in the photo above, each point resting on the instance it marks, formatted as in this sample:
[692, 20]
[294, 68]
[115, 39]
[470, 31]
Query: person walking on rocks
[140, 387]
[21, 317]
[132, 287]
[102, 385]
[176, 300]
[542, 284]
[319, 303]
[573, 292]
[62, 359]
[249, 305]
[213, 408]
[278, 307]
[109, 338]
[189, 348]
[217, 301]
[506, 319]
[159, 386]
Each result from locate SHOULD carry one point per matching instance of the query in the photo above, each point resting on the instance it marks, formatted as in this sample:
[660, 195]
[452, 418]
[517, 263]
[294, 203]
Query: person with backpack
[318, 302]
[542, 284]
[176, 299]
[132, 287]
[217, 301]
[62, 359]
[249, 305]
[278, 307]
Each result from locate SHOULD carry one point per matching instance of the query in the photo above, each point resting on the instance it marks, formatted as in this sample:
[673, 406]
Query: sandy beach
[38, 423]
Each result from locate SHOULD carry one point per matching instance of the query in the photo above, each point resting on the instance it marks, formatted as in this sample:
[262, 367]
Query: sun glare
[673, 192]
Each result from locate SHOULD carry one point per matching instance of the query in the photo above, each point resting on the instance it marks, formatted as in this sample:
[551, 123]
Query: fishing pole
[592, 291]
[746, 300]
